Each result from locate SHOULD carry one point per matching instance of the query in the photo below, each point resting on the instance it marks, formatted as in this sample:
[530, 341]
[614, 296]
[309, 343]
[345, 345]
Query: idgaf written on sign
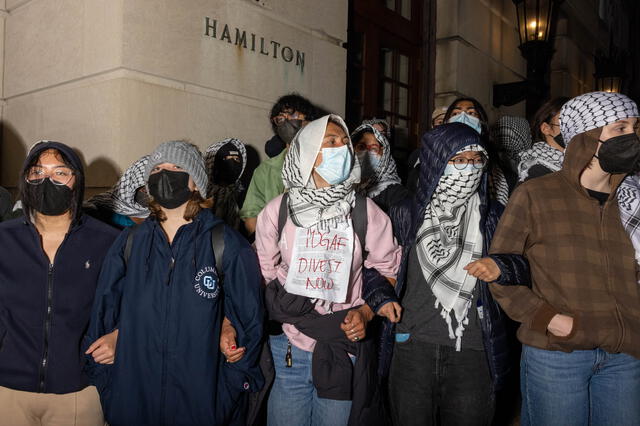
[251, 41]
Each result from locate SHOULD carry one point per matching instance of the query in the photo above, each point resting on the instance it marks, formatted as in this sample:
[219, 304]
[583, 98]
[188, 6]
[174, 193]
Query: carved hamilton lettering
[265, 46]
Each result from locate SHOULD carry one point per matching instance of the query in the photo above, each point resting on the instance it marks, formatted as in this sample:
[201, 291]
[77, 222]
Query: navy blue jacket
[168, 305]
[408, 217]
[45, 309]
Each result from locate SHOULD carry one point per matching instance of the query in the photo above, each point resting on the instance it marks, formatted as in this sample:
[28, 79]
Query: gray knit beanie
[184, 155]
[593, 110]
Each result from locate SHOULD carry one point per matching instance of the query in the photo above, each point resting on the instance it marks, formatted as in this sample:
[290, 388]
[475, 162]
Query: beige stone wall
[115, 78]
[477, 47]
[579, 34]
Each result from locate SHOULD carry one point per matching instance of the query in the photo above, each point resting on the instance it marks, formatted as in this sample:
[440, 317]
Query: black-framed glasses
[58, 176]
[284, 116]
[460, 163]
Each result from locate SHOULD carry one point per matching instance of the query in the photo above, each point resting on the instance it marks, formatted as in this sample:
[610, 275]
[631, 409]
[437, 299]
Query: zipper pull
[288, 359]
[173, 261]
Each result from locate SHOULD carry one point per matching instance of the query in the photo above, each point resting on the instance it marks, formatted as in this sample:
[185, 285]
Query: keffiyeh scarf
[448, 240]
[498, 186]
[593, 110]
[629, 204]
[310, 206]
[512, 135]
[541, 154]
[121, 198]
[210, 157]
[386, 173]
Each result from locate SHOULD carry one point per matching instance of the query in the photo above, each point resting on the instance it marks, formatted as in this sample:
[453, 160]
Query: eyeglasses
[375, 149]
[460, 163]
[58, 176]
[284, 116]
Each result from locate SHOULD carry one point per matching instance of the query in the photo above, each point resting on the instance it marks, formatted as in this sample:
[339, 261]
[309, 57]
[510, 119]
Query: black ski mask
[226, 169]
[170, 189]
[50, 199]
[620, 154]
[288, 129]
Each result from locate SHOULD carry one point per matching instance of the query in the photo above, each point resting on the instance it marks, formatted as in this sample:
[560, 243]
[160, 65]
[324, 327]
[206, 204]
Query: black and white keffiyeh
[511, 135]
[121, 198]
[210, 157]
[541, 154]
[386, 173]
[629, 204]
[498, 185]
[593, 110]
[382, 122]
[310, 206]
[448, 240]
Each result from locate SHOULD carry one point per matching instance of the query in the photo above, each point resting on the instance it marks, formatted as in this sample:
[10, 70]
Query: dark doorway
[390, 55]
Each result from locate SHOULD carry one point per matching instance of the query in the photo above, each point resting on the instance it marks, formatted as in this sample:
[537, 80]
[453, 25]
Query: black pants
[435, 385]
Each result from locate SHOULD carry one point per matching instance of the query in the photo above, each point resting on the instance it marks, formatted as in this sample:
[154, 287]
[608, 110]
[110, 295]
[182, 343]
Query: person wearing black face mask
[580, 316]
[51, 258]
[288, 115]
[620, 154]
[547, 153]
[225, 162]
[185, 324]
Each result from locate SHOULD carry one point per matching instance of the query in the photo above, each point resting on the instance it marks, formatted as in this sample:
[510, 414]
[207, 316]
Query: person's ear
[546, 129]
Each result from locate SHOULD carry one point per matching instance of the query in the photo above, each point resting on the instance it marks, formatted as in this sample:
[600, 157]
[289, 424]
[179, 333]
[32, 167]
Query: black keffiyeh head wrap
[230, 146]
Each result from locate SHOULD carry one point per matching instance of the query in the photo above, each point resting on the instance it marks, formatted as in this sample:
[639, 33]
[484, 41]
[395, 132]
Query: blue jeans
[579, 388]
[293, 400]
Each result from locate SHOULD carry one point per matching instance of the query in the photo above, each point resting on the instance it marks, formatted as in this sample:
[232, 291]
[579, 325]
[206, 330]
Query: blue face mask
[467, 119]
[336, 164]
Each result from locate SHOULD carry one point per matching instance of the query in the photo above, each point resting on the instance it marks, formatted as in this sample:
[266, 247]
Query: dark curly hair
[296, 102]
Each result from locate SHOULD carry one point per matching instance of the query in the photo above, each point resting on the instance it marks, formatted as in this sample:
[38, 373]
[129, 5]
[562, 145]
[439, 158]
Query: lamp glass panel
[537, 13]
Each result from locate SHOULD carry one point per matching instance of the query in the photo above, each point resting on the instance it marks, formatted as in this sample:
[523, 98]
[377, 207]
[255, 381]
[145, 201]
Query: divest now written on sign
[253, 42]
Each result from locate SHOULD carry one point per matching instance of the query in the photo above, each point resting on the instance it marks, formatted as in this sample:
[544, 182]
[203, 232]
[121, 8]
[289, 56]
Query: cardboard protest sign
[320, 264]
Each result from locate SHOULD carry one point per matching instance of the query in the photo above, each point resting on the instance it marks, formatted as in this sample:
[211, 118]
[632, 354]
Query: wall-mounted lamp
[534, 18]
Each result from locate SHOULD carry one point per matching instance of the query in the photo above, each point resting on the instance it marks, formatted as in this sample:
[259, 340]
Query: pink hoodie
[384, 255]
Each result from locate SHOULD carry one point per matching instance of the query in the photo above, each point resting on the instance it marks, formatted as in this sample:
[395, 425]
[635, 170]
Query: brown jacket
[582, 261]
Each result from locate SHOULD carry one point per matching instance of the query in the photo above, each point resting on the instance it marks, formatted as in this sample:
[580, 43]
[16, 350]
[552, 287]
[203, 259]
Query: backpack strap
[129, 243]
[217, 243]
[360, 221]
[283, 214]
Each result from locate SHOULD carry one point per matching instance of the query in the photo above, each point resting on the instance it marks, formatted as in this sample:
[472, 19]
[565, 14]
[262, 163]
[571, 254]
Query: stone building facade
[115, 78]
